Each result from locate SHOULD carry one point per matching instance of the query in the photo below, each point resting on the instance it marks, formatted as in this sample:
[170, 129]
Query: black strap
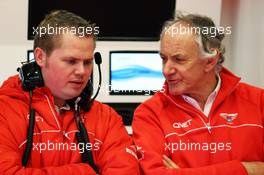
[30, 131]
[83, 140]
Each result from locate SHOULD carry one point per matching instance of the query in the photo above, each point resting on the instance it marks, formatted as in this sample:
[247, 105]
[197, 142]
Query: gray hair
[205, 41]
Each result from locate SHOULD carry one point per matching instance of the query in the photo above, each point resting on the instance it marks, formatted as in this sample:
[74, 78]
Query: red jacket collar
[228, 85]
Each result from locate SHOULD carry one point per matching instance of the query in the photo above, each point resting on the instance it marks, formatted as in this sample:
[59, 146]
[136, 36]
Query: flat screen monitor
[139, 20]
[135, 72]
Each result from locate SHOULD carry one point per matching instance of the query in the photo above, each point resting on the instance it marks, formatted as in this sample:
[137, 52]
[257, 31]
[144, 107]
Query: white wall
[245, 48]
[13, 43]
[211, 8]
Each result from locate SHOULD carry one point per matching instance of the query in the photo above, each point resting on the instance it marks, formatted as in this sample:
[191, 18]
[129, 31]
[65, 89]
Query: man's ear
[212, 61]
[40, 56]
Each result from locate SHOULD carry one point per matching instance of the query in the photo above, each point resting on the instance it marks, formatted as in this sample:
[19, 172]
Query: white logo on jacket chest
[229, 117]
[182, 125]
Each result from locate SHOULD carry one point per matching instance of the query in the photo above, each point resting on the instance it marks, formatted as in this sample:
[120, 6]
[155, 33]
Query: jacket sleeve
[10, 159]
[150, 141]
[117, 154]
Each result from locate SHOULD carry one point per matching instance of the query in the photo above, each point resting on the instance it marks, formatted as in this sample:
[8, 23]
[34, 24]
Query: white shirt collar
[210, 100]
[66, 107]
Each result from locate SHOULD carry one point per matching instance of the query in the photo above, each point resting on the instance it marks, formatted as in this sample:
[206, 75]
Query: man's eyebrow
[173, 55]
[89, 58]
[77, 58]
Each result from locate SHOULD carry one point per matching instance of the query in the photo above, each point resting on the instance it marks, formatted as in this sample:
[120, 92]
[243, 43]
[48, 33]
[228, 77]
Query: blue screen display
[135, 72]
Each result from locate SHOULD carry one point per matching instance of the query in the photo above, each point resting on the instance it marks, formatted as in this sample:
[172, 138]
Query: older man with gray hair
[206, 122]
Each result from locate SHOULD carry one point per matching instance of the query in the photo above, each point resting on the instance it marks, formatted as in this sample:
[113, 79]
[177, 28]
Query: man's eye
[71, 61]
[179, 59]
[163, 59]
[88, 62]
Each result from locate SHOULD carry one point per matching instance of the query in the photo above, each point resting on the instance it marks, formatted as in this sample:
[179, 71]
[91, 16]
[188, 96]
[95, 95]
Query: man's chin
[175, 92]
[72, 95]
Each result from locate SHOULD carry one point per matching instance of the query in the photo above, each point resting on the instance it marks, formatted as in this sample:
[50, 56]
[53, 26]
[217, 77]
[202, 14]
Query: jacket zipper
[207, 125]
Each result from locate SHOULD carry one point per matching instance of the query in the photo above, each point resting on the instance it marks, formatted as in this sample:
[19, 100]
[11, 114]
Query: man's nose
[168, 68]
[80, 68]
